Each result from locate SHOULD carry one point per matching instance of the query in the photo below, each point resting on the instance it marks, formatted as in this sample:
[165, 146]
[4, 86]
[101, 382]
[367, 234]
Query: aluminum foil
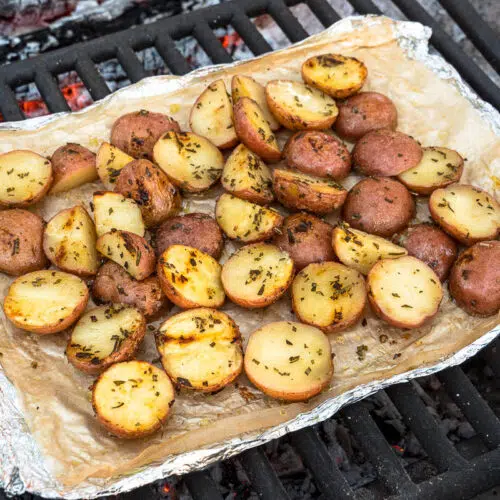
[22, 467]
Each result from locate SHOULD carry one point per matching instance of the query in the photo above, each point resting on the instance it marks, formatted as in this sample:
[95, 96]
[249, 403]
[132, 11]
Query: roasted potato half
[289, 361]
[257, 275]
[105, 335]
[190, 278]
[329, 295]
[191, 162]
[130, 251]
[45, 301]
[361, 250]
[115, 211]
[212, 116]
[132, 399]
[25, 178]
[245, 221]
[334, 74]
[300, 107]
[109, 162]
[246, 176]
[404, 292]
[69, 242]
[299, 191]
[200, 349]
[438, 168]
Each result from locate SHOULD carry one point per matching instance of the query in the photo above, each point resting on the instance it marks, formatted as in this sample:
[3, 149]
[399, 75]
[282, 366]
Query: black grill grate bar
[287, 21]
[365, 7]
[201, 486]
[130, 63]
[211, 45]
[323, 11]
[8, 104]
[171, 56]
[91, 78]
[250, 34]
[50, 91]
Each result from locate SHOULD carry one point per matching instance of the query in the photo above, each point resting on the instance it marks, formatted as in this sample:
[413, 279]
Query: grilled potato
[212, 116]
[404, 292]
[190, 278]
[114, 211]
[257, 275]
[329, 295]
[45, 301]
[254, 131]
[288, 360]
[300, 107]
[361, 250]
[25, 178]
[105, 335]
[191, 162]
[299, 191]
[69, 242]
[109, 162]
[200, 349]
[245, 221]
[465, 212]
[246, 176]
[132, 399]
[334, 74]
[130, 251]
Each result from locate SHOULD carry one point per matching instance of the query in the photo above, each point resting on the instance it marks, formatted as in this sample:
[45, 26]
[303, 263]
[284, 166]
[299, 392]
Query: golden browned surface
[109, 162]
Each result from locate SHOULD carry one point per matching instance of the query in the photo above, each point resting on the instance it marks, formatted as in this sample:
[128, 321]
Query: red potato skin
[69, 157]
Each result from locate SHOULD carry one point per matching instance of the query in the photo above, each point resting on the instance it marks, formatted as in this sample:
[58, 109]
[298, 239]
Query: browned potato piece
[109, 162]
[431, 245]
[379, 205]
[299, 191]
[404, 292]
[317, 153]
[136, 133]
[289, 360]
[45, 301]
[254, 131]
[306, 238]
[132, 399]
[335, 74]
[21, 237]
[438, 168]
[73, 166]
[329, 295]
[363, 113]
[105, 335]
[130, 251]
[465, 212]
[475, 279]
[200, 349]
[114, 285]
[385, 153]
[151, 189]
[300, 107]
[25, 178]
[257, 275]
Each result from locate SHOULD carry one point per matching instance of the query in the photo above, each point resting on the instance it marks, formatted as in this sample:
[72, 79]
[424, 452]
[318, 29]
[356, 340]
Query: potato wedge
[191, 162]
[288, 360]
[105, 335]
[253, 130]
[114, 211]
[246, 176]
[438, 168]
[335, 74]
[465, 212]
[299, 191]
[132, 399]
[245, 221]
[45, 301]
[25, 178]
[130, 251]
[329, 295]
[404, 292]
[300, 107]
[109, 162]
[190, 278]
[69, 242]
[257, 275]
[200, 349]
[212, 116]
[361, 250]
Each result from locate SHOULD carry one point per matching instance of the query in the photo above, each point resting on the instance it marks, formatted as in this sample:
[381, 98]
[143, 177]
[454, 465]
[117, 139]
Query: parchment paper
[79, 455]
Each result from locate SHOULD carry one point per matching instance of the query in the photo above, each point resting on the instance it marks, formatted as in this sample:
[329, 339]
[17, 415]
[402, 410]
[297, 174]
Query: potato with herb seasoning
[109, 162]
